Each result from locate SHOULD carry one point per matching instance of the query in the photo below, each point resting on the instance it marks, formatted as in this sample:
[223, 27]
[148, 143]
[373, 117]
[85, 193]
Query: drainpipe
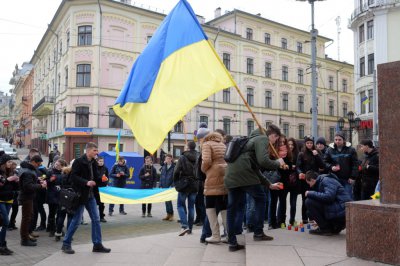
[55, 83]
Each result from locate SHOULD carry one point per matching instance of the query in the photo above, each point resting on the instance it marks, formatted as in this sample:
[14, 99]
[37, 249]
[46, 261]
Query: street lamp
[314, 34]
[341, 123]
[354, 123]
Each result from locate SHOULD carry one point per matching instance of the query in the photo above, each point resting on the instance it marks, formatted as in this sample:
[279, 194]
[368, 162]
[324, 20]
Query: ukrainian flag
[176, 71]
[365, 100]
[117, 195]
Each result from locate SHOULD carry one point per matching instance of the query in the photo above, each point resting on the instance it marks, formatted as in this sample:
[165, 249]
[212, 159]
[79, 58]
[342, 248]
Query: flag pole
[184, 130]
[255, 119]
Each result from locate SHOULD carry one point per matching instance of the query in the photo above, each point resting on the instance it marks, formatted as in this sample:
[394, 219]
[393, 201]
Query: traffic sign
[6, 123]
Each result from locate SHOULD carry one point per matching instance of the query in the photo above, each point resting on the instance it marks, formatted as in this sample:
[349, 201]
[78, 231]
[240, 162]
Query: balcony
[43, 107]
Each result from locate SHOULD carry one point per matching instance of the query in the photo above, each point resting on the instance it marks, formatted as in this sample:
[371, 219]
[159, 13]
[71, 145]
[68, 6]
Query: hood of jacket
[27, 165]
[214, 136]
[191, 155]
[256, 132]
[334, 146]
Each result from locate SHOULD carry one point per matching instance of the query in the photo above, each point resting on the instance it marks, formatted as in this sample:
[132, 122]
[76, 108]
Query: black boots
[100, 248]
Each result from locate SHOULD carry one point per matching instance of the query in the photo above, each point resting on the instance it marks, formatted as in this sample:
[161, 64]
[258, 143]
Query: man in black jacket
[369, 169]
[119, 174]
[85, 177]
[28, 183]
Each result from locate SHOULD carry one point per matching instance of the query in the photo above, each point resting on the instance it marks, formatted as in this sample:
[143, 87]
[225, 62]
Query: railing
[372, 4]
[45, 99]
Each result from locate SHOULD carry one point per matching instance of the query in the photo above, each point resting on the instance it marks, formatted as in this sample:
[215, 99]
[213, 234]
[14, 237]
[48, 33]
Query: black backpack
[235, 148]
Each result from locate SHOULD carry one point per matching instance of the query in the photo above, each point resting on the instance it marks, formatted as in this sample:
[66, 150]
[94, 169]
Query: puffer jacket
[307, 161]
[370, 175]
[121, 180]
[346, 159]
[213, 164]
[331, 193]
[245, 170]
[167, 176]
[7, 189]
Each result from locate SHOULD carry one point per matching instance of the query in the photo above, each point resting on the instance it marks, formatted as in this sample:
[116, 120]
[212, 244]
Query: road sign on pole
[6, 123]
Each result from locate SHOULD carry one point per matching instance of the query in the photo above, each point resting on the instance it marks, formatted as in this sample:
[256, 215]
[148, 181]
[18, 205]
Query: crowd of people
[246, 193]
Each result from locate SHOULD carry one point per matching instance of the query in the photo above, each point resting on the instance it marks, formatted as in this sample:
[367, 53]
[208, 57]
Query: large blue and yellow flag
[117, 195]
[176, 71]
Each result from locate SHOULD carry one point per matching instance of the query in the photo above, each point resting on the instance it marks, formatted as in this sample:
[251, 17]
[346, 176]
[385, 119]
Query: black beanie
[321, 140]
[5, 158]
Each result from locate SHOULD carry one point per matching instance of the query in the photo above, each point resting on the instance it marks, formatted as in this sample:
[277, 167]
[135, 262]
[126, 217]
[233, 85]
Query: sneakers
[184, 231]
[58, 236]
[103, 220]
[143, 215]
[262, 237]
[28, 243]
[123, 213]
[149, 215]
[67, 250]
[5, 251]
[100, 248]
[236, 248]
[321, 232]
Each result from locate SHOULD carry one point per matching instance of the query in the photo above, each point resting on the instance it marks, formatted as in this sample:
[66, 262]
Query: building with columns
[88, 50]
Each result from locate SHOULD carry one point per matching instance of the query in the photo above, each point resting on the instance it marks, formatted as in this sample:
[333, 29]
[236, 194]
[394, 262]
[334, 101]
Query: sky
[23, 23]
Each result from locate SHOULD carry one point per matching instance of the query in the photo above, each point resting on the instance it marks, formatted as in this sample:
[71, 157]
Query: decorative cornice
[148, 26]
[119, 19]
[285, 86]
[269, 83]
[85, 15]
[250, 80]
[228, 45]
[250, 49]
[118, 56]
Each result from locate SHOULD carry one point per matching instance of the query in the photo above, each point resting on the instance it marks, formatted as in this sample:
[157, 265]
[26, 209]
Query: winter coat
[81, 174]
[346, 159]
[28, 182]
[103, 170]
[213, 164]
[245, 170]
[184, 169]
[306, 161]
[53, 187]
[167, 176]
[7, 189]
[121, 180]
[370, 175]
[150, 180]
[331, 193]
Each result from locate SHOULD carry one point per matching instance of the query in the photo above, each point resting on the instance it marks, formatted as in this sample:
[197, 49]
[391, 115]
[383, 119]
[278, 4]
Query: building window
[286, 129]
[250, 126]
[226, 58]
[371, 2]
[285, 101]
[344, 109]
[331, 133]
[60, 48]
[299, 47]
[58, 83]
[111, 147]
[84, 35]
[66, 78]
[178, 127]
[249, 34]
[82, 116]
[361, 34]
[285, 73]
[204, 119]
[362, 67]
[227, 125]
[300, 101]
[114, 121]
[226, 95]
[331, 108]
[283, 43]
[68, 38]
[267, 124]
[149, 38]
[301, 131]
[267, 38]
[65, 118]
[371, 64]
[268, 69]
[268, 99]
[370, 29]
[370, 101]
[344, 85]
[330, 80]
[83, 75]
[363, 108]
[250, 66]
[300, 76]
[250, 96]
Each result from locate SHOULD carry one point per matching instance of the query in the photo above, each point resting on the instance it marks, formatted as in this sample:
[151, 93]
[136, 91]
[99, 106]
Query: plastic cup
[296, 229]
[308, 226]
[289, 227]
[302, 229]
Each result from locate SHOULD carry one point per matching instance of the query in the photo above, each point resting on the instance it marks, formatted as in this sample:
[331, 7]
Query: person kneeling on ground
[326, 203]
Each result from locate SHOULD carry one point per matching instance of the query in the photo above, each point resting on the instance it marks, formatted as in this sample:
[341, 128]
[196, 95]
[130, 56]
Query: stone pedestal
[373, 227]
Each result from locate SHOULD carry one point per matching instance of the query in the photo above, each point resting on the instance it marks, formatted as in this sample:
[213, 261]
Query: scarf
[283, 151]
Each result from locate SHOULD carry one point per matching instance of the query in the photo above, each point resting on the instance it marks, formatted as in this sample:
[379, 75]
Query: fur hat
[340, 134]
[321, 140]
[5, 158]
[308, 138]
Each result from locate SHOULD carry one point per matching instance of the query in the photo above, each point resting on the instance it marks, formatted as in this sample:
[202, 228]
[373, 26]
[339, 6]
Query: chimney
[217, 12]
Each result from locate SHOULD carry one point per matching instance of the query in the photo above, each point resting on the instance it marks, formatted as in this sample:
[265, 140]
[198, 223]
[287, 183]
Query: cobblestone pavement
[117, 227]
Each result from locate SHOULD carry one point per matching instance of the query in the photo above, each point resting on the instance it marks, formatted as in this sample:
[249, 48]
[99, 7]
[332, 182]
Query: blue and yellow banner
[365, 100]
[136, 196]
[177, 70]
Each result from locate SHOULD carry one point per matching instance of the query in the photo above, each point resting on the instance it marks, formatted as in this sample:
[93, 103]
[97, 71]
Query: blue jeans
[168, 207]
[186, 216]
[347, 186]
[91, 208]
[235, 200]
[4, 210]
[250, 211]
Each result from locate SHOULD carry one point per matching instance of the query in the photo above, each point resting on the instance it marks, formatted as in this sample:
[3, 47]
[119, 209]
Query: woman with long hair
[293, 184]
[308, 159]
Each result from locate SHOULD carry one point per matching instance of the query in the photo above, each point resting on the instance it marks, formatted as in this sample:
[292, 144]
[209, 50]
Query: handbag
[69, 199]
[293, 179]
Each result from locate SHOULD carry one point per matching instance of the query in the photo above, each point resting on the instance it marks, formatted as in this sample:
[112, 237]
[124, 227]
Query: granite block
[373, 231]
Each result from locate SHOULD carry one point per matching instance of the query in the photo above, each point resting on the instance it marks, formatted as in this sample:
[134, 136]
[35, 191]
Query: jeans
[4, 210]
[347, 186]
[61, 214]
[235, 199]
[250, 211]
[186, 216]
[168, 207]
[316, 212]
[91, 208]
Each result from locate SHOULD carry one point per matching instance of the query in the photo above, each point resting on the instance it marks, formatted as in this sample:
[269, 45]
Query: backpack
[235, 148]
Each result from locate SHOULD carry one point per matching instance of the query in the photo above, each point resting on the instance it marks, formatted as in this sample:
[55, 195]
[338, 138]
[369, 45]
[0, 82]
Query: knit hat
[321, 140]
[5, 158]
[309, 138]
[202, 132]
[340, 134]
